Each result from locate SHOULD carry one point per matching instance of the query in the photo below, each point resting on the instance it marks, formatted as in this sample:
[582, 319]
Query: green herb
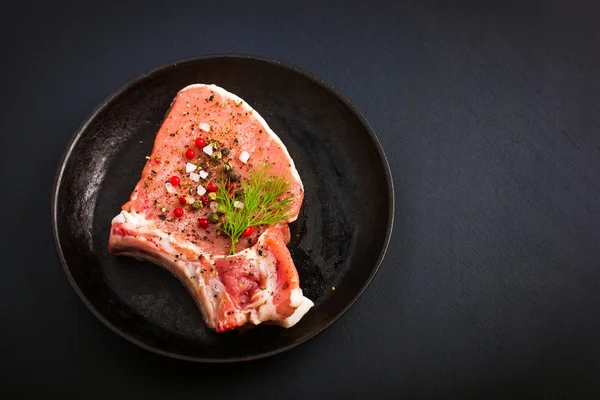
[264, 203]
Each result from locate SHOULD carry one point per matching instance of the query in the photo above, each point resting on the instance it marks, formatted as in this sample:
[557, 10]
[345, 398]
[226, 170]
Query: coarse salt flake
[201, 190]
[195, 177]
[170, 187]
[214, 206]
[203, 174]
[238, 204]
[208, 149]
[189, 167]
[244, 157]
[204, 126]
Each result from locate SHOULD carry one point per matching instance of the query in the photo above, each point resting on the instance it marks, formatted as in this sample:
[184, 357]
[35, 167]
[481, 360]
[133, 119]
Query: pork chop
[208, 138]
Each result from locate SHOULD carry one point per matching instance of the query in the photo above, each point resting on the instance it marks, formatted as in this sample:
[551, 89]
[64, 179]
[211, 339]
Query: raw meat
[259, 282]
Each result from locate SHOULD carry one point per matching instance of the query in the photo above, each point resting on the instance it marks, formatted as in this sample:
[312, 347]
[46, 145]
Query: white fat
[195, 177]
[189, 269]
[254, 317]
[189, 167]
[244, 157]
[208, 149]
[215, 286]
[267, 311]
[203, 174]
[204, 126]
[298, 314]
[170, 188]
[120, 218]
[139, 220]
[200, 190]
[265, 264]
[147, 227]
[296, 297]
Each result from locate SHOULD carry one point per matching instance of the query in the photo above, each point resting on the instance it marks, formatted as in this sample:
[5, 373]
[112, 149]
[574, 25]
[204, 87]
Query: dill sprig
[266, 201]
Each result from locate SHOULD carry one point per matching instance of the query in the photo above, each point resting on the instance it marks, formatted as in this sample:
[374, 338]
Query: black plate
[339, 239]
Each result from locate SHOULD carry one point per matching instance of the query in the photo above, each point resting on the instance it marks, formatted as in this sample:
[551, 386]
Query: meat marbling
[259, 282]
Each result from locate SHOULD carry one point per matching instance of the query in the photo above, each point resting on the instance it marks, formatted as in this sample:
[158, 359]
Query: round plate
[339, 239]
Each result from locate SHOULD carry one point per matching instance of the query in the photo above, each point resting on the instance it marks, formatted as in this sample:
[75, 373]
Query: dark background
[490, 118]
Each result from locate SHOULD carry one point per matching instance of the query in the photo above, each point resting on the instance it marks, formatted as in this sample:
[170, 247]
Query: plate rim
[78, 133]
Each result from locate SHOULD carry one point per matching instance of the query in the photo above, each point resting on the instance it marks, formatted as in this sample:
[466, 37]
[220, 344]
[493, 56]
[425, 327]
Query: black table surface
[490, 118]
